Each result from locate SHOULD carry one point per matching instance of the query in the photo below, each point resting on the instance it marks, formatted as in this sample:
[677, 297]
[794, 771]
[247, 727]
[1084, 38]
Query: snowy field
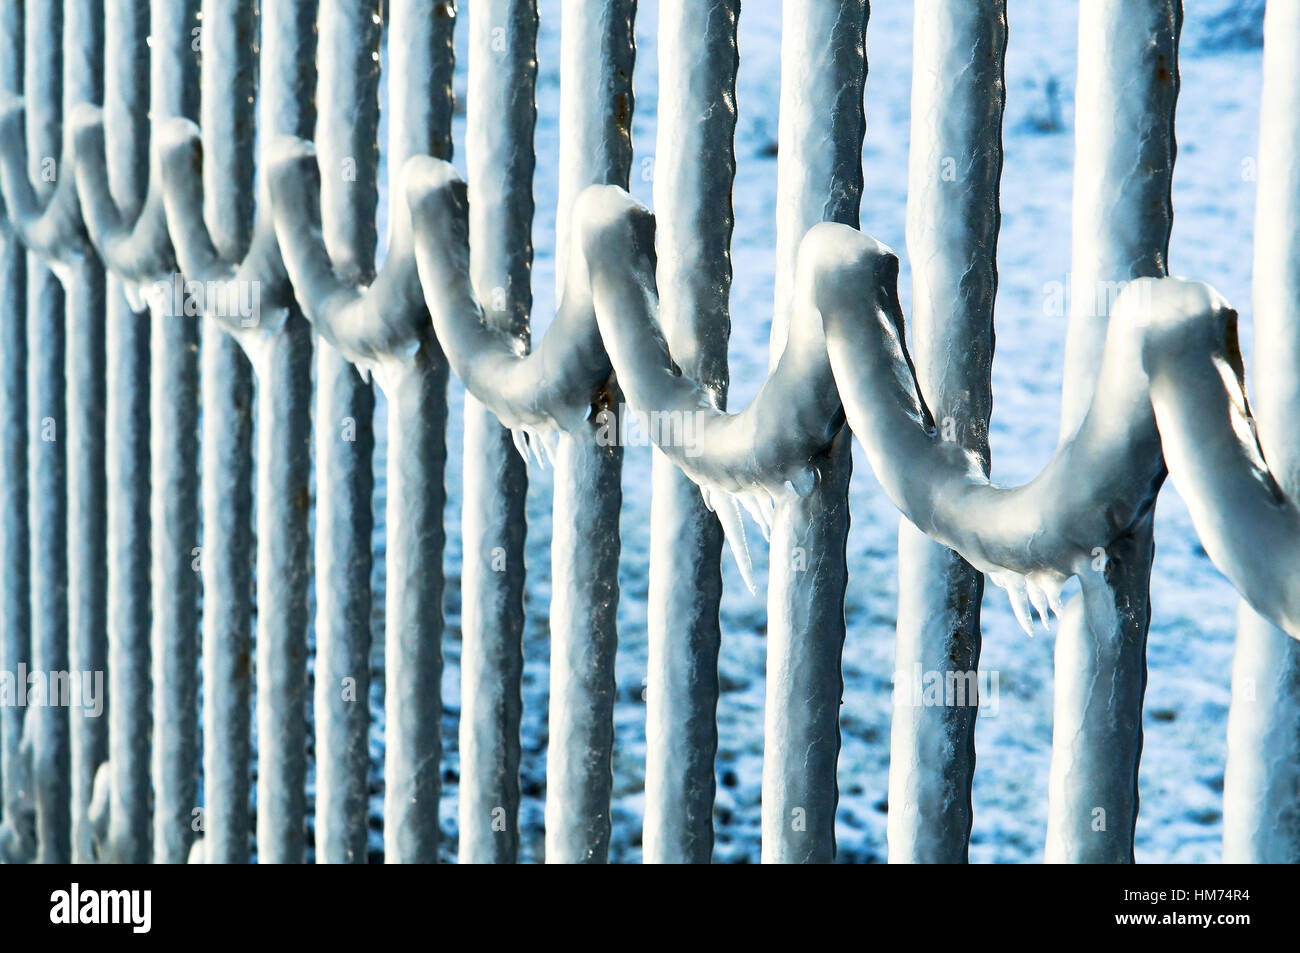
[1191, 638]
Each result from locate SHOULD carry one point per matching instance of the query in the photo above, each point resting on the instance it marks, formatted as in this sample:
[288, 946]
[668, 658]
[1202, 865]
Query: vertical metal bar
[819, 176]
[15, 551]
[227, 477]
[347, 150]
[126, 401]
[1124, 120]
[501, 116]
[283, 551]
[420, 101]
[283, 364]
[47, 433]
[413, 613]
[127, 838]
[597, 51]
[228, 84]
[1261, 823]
[952, 230]
[174, 470]
[83, 52]
[694, 168]
[1261, 788]
[343, 444]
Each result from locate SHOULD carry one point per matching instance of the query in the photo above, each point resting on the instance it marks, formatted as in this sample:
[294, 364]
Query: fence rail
[191, 196]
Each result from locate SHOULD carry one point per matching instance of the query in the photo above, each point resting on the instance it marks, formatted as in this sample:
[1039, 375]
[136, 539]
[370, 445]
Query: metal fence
[189, 246]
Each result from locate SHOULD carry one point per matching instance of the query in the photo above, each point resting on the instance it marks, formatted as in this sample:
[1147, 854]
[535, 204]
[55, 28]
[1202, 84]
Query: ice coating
[48, 225]
[368, 325]
[1246, 519]
[846, 343]
[752, 459]
[550, 388]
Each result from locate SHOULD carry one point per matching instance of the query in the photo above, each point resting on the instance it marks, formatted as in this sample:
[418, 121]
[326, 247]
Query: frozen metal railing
[383, 329]
[642, 320]
[567, 379]
[1240, 473]
[347, 129]
[1101, 483]
[128, 229]
[550, 389]
[250, 320]
[62, 57]
[120, 808]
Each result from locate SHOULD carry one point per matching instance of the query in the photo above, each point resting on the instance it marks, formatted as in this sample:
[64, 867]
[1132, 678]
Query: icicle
[549, 440]
[541, 446]
[767, 506]
[755, 507]
[1014, 585]
[1051, 584]
[521, 443]
[534, 446]
[139, 295]
[733, 527]
[1038, 598]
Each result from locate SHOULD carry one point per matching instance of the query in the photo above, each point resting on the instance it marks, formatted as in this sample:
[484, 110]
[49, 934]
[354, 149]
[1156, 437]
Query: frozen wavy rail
[1030, 539]
[215, 484]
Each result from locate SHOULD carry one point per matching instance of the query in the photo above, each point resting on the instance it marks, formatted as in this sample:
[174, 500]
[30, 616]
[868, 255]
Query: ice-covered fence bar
[46, 425]
[16, 804]
[83, 428]
[954, 169]
[347, 122]
[819, 178]
[414, 379]
[226, 441]
[174, 484]
[500, 116]
[1123, 173]
[120, 808]
[694, 169]
[597, 53]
